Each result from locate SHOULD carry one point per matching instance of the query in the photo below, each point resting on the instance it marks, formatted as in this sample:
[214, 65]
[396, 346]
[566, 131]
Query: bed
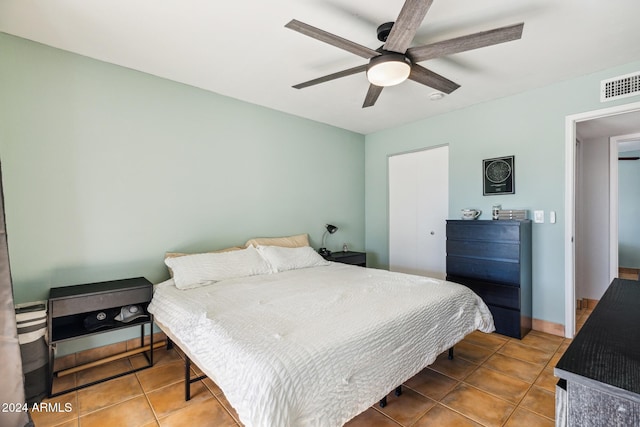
[305, 342]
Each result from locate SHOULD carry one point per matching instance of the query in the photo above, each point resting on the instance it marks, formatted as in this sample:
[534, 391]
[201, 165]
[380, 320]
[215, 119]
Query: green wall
[629, 211]
[106, 168]
[531, 126]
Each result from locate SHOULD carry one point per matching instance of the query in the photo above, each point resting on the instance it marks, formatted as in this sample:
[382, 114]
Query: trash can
[31, 320]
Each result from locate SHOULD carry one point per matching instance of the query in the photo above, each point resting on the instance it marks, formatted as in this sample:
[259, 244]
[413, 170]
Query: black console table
[348, 257]
[69, 306]
[600, 371]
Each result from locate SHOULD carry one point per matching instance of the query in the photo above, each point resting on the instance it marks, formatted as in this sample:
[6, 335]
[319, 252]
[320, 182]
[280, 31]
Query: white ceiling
[241, 49]
[619, 125]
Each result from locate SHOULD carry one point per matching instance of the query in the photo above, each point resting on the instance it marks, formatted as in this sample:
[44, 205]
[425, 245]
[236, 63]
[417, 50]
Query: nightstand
[349, 257]
[69, 307]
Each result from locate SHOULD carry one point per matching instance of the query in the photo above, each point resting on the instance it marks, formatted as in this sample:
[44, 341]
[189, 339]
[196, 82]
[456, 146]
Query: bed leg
[383, 402]
[169, 343]
[187, 379]
[450, 357]
[398, 390]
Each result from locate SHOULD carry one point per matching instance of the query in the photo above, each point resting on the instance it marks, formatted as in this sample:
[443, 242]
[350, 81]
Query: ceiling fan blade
[372, 95]
[329, 77]
[405, 27]
[331, 39]
[465, 43]
[429, 78]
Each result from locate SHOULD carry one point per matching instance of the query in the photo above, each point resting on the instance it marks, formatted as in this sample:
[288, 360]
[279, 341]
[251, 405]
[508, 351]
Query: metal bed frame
[188, 380]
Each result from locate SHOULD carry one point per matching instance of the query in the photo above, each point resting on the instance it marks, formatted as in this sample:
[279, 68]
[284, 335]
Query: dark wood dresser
[493, 258]
[600, 370]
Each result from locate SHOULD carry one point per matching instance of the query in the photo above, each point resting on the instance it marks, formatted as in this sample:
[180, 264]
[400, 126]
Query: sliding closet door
[12, 390]
[418, 208]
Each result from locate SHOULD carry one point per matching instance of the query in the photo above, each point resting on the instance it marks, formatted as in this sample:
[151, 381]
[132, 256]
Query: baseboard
[586, 303]
[548, 327]
[629, 273]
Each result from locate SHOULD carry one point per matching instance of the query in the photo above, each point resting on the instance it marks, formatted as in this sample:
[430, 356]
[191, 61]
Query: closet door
[418, 209]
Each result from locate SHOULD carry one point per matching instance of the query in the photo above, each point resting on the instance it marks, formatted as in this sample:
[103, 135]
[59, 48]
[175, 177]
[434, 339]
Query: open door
[570, 203]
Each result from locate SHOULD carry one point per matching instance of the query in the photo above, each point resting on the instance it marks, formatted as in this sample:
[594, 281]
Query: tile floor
[492, 381]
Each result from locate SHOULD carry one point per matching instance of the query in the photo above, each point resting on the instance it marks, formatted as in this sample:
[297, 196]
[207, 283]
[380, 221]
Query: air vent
[620, 87]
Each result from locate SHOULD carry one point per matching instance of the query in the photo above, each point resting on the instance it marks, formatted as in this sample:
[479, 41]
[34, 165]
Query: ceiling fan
[395, 61]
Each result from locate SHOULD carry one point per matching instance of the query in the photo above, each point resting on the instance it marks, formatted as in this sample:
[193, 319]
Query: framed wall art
[497, 176]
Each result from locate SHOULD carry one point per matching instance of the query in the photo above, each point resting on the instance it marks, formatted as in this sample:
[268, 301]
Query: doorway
[571, 180]
[418, 209]
[625, 229]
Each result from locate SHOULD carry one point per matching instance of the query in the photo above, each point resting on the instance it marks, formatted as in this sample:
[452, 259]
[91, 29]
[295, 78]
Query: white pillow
[286, 242]
[283, 259]
[192, 271]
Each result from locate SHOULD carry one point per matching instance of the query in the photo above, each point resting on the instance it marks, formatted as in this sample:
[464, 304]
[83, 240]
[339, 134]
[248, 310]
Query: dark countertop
[93, 288]
[605, 353]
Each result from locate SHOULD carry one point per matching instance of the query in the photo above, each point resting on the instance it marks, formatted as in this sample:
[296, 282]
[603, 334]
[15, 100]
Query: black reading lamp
[330, 230]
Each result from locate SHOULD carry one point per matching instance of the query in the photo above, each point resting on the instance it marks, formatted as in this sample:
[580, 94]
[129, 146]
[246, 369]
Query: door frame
[614, 186]
[570, 205]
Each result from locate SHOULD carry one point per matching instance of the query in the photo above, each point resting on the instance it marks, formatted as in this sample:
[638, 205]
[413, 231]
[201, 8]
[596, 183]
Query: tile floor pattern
[492, 381]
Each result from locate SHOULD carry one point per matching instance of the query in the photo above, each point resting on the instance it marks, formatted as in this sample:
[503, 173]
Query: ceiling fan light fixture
[388, 69]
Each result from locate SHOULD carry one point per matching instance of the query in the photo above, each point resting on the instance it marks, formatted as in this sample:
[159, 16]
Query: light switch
[552, 217]
[538, 217]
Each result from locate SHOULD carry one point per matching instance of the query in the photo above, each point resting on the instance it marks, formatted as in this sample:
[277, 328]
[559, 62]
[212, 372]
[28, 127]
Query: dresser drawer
[504, 272]
[485, 230]
[87, 303]
[491, 293]
[482, 249]
[507, 321]
[70, 300]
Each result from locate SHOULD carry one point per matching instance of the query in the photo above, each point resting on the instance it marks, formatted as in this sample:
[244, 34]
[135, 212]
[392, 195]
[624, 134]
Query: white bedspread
[316, 346]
